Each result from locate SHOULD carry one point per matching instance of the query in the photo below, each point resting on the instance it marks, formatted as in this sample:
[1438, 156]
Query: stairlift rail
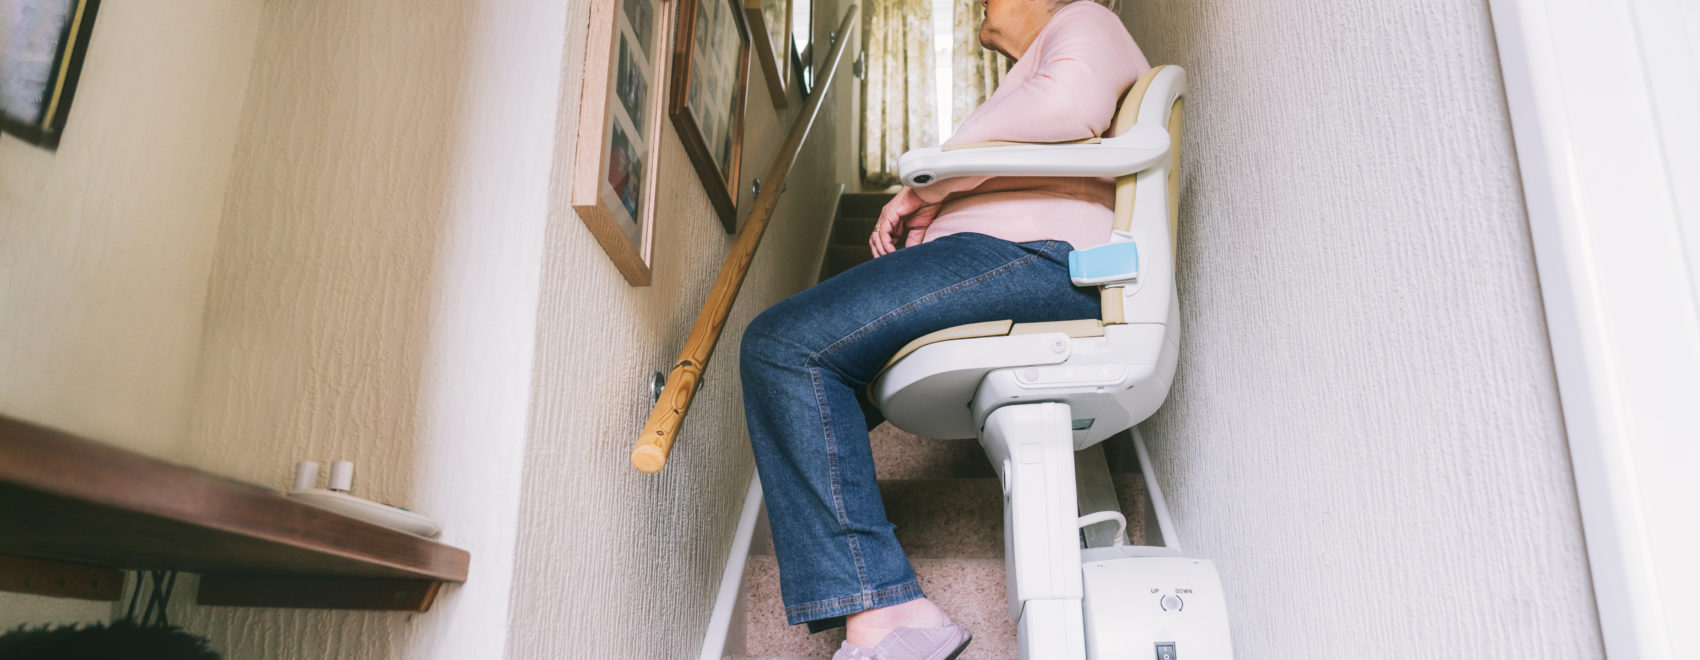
[659, 433]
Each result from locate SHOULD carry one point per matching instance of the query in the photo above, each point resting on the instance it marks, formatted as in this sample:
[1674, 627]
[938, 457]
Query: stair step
[840, 258]
[970, 590]
[899, 454]
[862, 205]
[853, 230]
[942, 517]
[963, 518]
[938, 518]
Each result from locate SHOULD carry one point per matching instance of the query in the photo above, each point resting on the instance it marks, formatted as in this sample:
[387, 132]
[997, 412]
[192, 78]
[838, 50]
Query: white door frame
[1605, 109]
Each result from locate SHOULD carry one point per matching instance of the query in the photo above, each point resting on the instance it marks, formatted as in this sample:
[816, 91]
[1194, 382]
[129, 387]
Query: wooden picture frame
[770, 28]
[618, 158]
[711, 67]
[44, 43]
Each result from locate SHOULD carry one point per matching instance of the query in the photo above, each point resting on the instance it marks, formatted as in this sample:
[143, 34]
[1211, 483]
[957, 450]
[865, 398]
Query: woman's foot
[868, 627]
[914, 630]
[912, 644]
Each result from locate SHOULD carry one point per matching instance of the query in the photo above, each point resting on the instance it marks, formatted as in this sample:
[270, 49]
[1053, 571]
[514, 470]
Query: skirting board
[732, 579]
[826, 238]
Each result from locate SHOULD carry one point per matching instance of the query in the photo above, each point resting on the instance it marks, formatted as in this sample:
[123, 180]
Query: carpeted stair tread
[946, 517]
[847, 244]
[899, 454]
[840, 258]
[862, 205]
[942, 517]
[938, 518]
[970, 590]
[853, 231]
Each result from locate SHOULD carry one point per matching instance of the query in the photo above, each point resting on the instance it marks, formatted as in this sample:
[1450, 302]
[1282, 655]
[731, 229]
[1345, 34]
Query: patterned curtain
[898, 97]
[977, 70]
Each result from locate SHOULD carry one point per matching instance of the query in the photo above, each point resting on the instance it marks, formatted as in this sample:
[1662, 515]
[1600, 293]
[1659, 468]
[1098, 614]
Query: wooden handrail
[662, 428]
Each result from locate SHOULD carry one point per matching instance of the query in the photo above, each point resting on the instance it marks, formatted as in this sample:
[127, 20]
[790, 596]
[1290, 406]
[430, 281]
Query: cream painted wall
[356, 275]
[615, 563]
[106, 244]
[375, 288]
[1365, 433]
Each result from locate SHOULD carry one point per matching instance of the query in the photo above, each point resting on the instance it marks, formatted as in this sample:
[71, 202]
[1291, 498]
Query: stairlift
[1040, 397]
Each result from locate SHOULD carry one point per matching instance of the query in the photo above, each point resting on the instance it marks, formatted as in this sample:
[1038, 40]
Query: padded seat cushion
[1078, 328]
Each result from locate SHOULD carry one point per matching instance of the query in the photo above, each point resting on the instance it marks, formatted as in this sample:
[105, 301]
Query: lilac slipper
[943, 643]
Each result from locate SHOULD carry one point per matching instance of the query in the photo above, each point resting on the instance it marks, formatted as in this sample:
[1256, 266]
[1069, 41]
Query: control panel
[1168, 608]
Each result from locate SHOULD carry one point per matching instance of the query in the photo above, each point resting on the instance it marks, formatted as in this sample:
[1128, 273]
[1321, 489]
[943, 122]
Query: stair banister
[656, 440]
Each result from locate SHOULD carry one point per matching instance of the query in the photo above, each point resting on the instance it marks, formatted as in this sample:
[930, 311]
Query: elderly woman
[976, 249]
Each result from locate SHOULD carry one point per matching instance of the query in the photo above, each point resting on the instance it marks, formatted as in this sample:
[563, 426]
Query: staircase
[947, 505]
[857, 213]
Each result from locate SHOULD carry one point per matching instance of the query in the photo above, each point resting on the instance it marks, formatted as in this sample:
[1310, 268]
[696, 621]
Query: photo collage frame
[614, 184]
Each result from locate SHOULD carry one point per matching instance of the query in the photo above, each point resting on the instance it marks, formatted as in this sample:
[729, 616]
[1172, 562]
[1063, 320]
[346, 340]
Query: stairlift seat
[1036, 394]
[1114, 371]
[945, 384]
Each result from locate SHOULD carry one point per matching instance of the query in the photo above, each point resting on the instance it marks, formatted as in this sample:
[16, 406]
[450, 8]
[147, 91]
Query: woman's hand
[904, 213]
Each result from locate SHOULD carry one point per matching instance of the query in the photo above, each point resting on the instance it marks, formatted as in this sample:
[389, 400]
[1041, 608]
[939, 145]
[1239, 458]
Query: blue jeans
[806, 359]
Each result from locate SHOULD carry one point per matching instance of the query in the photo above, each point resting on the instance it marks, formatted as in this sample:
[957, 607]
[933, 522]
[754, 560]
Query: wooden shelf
[72, 500]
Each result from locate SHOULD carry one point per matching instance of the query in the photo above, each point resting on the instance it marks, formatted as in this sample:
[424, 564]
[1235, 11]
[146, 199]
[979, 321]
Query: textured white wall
[105, 244]
[1364, 433]
[618, 564]
[375, 287]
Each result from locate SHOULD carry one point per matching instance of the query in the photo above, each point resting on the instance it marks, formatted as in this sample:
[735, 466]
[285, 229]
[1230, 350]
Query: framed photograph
[770, 27]
[614, 171]
[42, 43]
[711, 65]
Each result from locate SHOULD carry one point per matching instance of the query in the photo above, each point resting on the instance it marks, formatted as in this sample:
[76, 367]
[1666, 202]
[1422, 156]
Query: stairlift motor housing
[1137, 606]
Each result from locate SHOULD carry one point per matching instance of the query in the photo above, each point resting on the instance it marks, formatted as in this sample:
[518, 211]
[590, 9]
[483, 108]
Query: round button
[1171, 603]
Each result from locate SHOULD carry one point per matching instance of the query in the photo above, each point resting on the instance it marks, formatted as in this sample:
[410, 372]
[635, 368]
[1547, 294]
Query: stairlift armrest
[1133, 151]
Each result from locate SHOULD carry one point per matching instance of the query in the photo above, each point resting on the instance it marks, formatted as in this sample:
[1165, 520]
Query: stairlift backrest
[1146, 204]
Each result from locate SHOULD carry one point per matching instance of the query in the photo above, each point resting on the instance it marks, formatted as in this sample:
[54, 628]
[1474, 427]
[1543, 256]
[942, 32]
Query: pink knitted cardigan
[1065, 87]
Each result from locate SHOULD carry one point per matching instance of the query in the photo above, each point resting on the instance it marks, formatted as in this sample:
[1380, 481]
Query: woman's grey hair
[1113, 5]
